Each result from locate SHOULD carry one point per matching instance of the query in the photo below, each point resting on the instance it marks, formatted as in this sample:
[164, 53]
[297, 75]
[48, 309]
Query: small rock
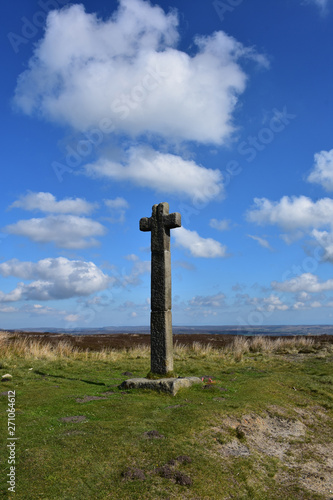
[128, 374]
[6, 377]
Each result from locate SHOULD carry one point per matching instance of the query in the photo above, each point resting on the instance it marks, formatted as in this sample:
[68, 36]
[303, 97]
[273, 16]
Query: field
[259, 427]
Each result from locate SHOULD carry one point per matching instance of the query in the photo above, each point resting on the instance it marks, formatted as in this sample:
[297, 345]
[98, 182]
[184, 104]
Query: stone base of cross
[159, 224]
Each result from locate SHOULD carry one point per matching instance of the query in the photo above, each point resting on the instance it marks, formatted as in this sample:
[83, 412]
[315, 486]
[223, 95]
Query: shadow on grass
[38, 372]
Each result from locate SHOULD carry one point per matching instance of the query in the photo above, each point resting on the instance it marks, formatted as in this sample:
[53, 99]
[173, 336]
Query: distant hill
[273, 330]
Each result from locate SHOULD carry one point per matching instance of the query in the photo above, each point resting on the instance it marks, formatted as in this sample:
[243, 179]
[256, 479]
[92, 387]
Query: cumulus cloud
[263, 304]
[220, 225]
[198, 246]
[46, 202]
[53, 278]
[271, 304]
[306, 282]
[322, 172]
[292, 213]
[65, 231]
[127, 72]
[262, 242]
[165, 173]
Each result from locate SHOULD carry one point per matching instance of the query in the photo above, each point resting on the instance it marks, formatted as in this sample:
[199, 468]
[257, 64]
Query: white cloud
[220, 225]
[262, 242]
[8, 309]
[263, 304]
[165, 173]
[184, 265]
[117, 206]
[139, 268]
[217, 300]
[72, 318]
[39, 310]
[132, 257]
[53, 278]
[65, 231]
[46, 202]
[322, 4]
[271, 304]
[292, 213]
[313, 305]
[323, 170]
[306, 282]
[303, 296]
[126, 69]
[300, 306]
[325, 240]
[198, 246]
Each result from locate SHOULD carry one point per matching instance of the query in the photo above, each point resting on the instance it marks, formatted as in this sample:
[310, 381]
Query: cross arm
[145, 224]
[172, 221]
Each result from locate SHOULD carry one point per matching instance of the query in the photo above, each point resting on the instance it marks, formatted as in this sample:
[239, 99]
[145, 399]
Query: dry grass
[34, 349]
[260, 344]
[26, 348]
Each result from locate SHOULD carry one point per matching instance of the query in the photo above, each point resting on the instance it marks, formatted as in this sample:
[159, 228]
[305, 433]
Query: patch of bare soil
[291, 440]
[76, 419]
[169, 471]
[132, 474]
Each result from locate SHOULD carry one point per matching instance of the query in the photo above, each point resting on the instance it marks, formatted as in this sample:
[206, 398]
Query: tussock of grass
[16, 346]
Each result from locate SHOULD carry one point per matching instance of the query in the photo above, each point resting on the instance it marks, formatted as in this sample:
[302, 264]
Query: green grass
[85, 460]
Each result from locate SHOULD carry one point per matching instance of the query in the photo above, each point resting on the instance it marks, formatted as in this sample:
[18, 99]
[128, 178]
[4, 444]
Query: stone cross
[160, 224]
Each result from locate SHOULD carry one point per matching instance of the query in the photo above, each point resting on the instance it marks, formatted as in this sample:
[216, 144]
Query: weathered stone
[170, 385]
[160, 224]
[161, 342]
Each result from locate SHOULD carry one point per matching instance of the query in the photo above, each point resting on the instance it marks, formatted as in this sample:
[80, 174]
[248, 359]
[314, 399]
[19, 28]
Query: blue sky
[221, 108]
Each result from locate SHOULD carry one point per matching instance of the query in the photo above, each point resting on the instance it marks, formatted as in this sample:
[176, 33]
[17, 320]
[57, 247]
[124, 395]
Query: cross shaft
[160, 224]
